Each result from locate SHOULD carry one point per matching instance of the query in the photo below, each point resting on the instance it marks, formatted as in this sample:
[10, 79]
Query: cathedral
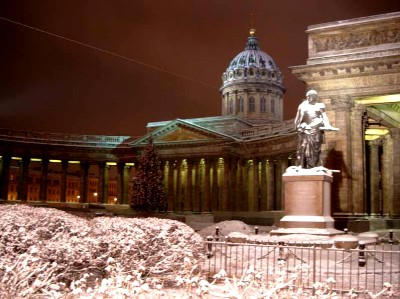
[231, 166]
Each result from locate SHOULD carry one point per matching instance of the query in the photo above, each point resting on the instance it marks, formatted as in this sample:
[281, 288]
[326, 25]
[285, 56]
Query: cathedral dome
[252, 87]
[252, 64]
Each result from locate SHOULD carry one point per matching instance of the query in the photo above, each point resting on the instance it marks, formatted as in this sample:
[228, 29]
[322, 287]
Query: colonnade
[123, 177]
[193, 185]
[203, 185]
[383, 174]
[369, 169]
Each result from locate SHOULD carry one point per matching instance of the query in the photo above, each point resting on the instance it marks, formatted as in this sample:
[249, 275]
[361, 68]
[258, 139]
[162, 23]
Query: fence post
[314, 267]
[217, 233]
[391, 237]
[226, 255]
[209, 246]
[281, 256]
[361, 254]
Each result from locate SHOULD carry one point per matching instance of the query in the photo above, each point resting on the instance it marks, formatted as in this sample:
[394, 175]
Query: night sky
[172, 55]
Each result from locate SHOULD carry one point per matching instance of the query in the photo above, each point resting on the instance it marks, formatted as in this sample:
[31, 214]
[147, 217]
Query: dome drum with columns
[252, 86]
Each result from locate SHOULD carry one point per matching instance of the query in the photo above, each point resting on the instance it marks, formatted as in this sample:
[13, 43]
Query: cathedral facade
[231, 166]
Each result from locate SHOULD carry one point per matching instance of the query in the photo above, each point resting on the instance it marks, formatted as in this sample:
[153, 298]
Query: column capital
[374, 144]
[359, 108]
[341, 103]
[394, 133]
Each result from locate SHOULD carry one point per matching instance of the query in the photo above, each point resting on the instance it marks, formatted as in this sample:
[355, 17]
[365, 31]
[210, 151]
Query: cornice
[66, 140]
[347, 69]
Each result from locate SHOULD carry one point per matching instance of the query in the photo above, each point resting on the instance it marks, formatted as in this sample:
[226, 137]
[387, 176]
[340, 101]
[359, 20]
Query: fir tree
[149, 190]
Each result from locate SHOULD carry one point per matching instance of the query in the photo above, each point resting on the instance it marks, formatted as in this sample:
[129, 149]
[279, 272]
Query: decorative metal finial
[252, 32]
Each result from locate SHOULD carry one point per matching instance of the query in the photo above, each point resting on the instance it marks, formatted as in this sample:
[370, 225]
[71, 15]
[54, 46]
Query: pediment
[182, 132]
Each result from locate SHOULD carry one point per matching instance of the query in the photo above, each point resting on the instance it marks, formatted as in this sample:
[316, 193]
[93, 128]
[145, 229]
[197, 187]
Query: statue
[310, 122]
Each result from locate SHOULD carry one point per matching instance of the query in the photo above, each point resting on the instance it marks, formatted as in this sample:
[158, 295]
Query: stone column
[278, 185]
[271, 185]
[387, 176]
[225, 186]
[63, 185]
[125, 181]
[104, 174]
[188, 199]
[83, 185]
[225, 99]
[395, 134]
[215, 187]
[43, 180]
[23, 181]
[391, 175]
[374, 177]
[263, 187]
[206, 203]
[256, 183]
[245, 104]
[241, 199]
[178, 198]
[122, 182]
[284, 166]
[340, 155]
[358, 159]
[5, 177]
[196, 187]
[170, 190]
[233, 182]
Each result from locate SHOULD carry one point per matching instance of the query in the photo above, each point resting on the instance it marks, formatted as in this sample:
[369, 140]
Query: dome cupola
[252, 85]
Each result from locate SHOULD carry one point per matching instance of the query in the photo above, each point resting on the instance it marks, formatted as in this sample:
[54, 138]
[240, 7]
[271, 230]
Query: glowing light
[16, 158]
[36, 160]
[95, 194]
[74, 162]
[392, 98]
[130, 164]
[55, 161]
[111, 163]
[371, 137]
[376, 131]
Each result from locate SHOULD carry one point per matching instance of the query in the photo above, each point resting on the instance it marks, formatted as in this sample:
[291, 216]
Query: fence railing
[366, 269]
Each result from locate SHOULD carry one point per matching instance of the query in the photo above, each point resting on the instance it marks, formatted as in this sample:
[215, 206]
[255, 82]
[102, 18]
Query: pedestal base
[306, 231]
[307, 202]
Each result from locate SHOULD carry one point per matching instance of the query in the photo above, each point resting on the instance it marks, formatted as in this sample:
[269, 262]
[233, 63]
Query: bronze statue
[311, 121]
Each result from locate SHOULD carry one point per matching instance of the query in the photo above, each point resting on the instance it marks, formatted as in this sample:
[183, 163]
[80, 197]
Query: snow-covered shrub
[47, 251]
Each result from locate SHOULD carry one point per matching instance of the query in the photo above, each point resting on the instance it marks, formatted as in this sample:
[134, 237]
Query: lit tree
[149, 191]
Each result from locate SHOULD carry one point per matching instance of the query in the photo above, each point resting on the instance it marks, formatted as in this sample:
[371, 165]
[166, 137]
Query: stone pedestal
[307, 202]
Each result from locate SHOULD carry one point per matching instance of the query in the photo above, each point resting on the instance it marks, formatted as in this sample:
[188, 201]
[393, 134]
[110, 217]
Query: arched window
[252, 104]
[240, 104]
[263, 105]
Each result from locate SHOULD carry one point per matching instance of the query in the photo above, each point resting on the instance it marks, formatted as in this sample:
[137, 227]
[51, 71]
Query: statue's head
[311, 96]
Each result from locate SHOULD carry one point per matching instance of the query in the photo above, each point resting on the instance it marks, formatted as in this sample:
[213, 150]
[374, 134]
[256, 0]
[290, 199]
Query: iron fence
[367, 268]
